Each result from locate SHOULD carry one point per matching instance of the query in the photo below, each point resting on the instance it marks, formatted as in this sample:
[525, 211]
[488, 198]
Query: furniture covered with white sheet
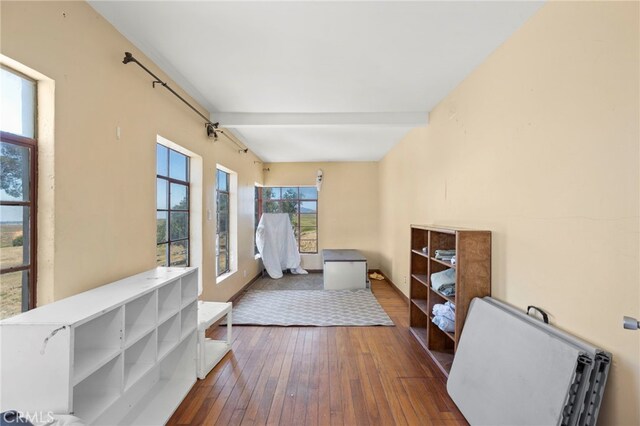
[344, 269]
[277, 245]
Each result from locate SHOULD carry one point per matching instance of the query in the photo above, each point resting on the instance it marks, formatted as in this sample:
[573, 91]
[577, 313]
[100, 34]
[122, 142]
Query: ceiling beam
[368, 119]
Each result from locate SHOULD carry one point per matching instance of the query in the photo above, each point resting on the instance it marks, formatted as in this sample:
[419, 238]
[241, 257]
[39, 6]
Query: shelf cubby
[173, 381]
[168, 335]
[98, 391]
[189, 289]
[169, 300]
[437, 294]
[139, 358]
[189, 318]
[419, 288]
[140, 317]
[97, 341]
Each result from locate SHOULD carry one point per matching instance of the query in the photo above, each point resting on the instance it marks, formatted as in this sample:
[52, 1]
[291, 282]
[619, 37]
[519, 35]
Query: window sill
[225, 276]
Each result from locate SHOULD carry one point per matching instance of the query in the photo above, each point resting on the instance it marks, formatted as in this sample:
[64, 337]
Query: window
[301, 203]
[18, 164]
[172, 216]
[223, 220]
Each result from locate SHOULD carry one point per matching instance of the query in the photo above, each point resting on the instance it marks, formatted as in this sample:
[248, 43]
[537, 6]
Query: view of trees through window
[223, 219]
[172, 216]
[18, 150]
[301, 203]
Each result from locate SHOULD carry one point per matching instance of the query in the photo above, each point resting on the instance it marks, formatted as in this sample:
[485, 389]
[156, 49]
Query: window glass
[179, 197]
[223, 219]
[178, 168]
[12, 287]
[14, 234]
[162, 186]
[172, 217]
[179, 252]
[308, 193]
[162, 227]
[300, 203]
[223, 181]
[178, 225]
[162, 254]
[162, 160]
[271, 193]
[289, 193]
[17, 193]
[18, 103]
[14, 172]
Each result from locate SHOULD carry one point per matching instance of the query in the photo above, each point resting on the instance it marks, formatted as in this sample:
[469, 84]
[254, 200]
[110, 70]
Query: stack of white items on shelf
[513, 369]
[444, 316]
[444, 281]
[445, 255]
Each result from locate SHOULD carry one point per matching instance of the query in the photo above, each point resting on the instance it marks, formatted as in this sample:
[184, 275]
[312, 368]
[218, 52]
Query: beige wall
[540, 144]
[347, 204]
[104, 205]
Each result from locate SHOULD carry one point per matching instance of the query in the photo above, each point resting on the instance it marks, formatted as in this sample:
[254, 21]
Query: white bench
[210, 351]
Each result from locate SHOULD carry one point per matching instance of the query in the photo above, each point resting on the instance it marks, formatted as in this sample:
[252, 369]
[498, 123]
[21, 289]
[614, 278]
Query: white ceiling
[318, 57]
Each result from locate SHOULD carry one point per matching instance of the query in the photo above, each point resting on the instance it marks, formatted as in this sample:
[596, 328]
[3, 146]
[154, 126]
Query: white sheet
[277, 245]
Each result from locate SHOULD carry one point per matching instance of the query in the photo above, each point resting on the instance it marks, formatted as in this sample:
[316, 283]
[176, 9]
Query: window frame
[260, 210]
[32, 266]
[228, 213]
[168, 210]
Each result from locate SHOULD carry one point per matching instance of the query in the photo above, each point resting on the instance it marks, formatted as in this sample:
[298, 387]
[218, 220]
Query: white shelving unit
[97, 342]
[211, 351]
[139, 317]
[168, 335]
[123, 353]
[139, 358]
[168, 300]
[189, 319]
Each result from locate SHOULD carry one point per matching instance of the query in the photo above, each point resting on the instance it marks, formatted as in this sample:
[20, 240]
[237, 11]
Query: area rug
[321, 308]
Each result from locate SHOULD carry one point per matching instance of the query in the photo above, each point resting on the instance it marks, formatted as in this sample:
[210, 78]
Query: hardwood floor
[323, 376]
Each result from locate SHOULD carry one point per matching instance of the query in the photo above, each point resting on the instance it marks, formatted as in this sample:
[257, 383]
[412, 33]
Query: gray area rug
[312, 281]
[274, 302]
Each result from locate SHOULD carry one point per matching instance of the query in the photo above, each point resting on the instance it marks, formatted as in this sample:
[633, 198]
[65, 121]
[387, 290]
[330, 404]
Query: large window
[301, 203]
[223, 218]
[18, 166]
[172, 220]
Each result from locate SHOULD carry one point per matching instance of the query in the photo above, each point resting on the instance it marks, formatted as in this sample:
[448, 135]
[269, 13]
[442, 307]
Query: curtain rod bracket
[211, 127]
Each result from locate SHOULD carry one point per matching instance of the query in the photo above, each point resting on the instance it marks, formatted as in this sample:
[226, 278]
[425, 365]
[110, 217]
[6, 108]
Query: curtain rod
[212, 128]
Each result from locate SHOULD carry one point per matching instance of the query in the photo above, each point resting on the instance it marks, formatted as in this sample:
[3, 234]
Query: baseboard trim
[237, 294]
[404, 298]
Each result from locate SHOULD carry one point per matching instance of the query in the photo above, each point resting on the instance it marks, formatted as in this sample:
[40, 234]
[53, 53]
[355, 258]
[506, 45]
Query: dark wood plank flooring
[323, 376]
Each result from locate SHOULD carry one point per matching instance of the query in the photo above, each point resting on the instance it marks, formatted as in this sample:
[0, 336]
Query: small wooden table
[210, 351]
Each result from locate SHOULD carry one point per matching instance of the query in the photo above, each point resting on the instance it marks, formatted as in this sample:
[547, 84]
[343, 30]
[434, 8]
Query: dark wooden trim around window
[32, 267]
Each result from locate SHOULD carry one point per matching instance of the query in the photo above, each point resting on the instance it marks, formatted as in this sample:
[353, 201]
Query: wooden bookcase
[473, 279]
